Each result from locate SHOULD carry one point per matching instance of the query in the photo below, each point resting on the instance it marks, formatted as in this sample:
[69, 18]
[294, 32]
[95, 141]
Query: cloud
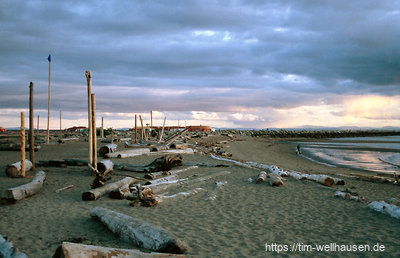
[181, 56]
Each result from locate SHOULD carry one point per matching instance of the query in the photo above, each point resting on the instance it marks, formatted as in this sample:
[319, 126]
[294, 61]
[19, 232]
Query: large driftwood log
[138, 232]
[159, 174]
[181, 146]
[109, 148]
[72, 250]
[128, 153]
[26, 190]
[64, 140]
[15, 147]
[7, 250]
[386, 208]
[120, 193]
[14, 170]
[105, 167]
[95, 194]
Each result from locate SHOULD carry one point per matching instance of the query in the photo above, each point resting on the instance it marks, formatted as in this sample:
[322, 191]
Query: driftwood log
[121, 193]
[95, 194]
[7, 250]
[385, 208]
[128, 153]
[180, 146]
[104, 167]
[138, 232]
[64, 140]
[15, 147]
[26, 190]
[261, 177]
[164, 163]
[155, 175]
[72, 250]
[275, 180]
[109, 148]
[14, 170]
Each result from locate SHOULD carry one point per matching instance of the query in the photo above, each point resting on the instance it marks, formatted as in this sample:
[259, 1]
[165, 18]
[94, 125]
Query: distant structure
[77, 129]
[3, 130]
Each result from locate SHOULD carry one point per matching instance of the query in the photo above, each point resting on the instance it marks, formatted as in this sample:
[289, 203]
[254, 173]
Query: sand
[236, 219]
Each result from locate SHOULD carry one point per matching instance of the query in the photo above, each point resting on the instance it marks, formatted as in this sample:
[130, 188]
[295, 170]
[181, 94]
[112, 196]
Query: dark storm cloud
[264, 53]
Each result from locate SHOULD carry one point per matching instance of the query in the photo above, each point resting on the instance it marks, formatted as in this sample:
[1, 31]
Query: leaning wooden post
[31, 136]
[102, 127]
[135, 128]
[93, 100]
[22, 144]
[90, 140]
[151, 120]
[162, 130]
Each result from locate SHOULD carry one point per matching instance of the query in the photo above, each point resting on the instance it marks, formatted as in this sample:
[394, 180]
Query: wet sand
[238, 222]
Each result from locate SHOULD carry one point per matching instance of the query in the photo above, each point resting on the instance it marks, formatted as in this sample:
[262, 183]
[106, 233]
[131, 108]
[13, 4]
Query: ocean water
[374, 154]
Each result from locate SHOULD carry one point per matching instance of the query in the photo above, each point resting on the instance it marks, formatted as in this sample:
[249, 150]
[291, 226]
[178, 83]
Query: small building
[200, 128]
[3, 130]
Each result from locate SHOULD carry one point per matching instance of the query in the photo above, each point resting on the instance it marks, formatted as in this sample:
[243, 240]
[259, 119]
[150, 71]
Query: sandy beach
[235, 219]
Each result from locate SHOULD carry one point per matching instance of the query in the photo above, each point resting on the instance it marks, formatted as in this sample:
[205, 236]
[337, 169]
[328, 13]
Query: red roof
[2, 129]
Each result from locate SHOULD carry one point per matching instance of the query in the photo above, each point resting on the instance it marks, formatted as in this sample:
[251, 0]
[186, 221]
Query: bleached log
[240, 164]
[14, 170]
[7, 250]
[275, 180]
[348, 195]
[276, 170]
[155, 175]
[178, 151]
[64, 140]
[131, 145]
[120, 193]
[161, 198]
[158, 188]
[72, 250]
[386, 208]
[128, 153]
[26, 190]
[109, 148]
[105, 166]
[322, 179]
[138, 232]
[164, 163]
[95, 194]
[261, 177]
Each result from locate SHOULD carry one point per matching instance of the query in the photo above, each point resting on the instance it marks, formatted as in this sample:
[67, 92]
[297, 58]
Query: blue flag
[49, 58]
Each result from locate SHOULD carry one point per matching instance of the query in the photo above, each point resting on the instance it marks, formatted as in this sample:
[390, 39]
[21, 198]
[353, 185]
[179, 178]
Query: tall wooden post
[135, 128]
[22, 144]
[60, 121]
[90, 132]
[112, 135]
[31, 136]
[102, 127]
[94, 133]
[151, 120]
[48, 105]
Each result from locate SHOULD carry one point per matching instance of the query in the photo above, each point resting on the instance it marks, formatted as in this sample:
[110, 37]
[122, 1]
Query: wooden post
[102, 127]
[162, 130]
[112, 135]
[141, 122]
[22, 144]
[48, 105]
[94, 134]
[90, 132]
[31, 136]
[60, 121]
[37, 133]
[135, 128]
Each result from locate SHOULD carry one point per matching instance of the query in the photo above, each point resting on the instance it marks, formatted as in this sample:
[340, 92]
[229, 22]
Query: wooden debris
[72, 250]
[95, 194]
[164, 163]
[64, 188]
[349, 194]
[138, 232]
[155, 175]
[145, 197]
[128, 153]
[14, 170]
[26, 190]
[64, 140]
[7, 249]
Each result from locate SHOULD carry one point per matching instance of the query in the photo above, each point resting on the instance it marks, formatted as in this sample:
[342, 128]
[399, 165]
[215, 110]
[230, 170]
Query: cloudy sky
[258, 64]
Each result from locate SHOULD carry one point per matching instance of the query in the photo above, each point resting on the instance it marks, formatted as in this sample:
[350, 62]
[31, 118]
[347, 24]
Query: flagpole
[48, 107]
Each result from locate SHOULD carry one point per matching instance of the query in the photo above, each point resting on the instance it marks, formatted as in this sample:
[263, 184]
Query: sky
[226, 64]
